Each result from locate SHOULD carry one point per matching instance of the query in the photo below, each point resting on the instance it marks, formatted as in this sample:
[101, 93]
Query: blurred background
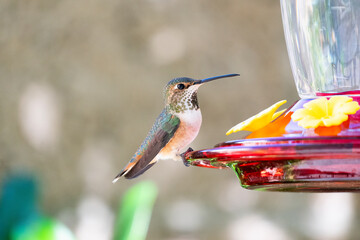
[81, 84]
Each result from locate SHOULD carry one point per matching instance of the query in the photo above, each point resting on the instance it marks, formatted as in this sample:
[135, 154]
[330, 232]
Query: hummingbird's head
[181, 93]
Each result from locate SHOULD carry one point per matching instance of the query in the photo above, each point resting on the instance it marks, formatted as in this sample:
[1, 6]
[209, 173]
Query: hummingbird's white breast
[190, 123]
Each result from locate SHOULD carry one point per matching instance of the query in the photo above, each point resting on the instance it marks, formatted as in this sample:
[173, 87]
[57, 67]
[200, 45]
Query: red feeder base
[285, 157]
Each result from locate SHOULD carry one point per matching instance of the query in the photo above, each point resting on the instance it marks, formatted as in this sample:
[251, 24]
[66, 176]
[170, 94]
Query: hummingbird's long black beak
[214, 78]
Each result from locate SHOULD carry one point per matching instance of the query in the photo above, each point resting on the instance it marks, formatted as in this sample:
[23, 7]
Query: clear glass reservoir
[323, 42]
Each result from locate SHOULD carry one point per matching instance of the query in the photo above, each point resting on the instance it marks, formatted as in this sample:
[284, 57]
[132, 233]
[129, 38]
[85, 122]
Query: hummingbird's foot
[186, 163]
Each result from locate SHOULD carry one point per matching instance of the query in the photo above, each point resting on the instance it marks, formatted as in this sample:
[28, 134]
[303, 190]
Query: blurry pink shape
[39, 116]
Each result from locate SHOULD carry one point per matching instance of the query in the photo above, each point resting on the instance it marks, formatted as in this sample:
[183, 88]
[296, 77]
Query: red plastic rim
[275, 149]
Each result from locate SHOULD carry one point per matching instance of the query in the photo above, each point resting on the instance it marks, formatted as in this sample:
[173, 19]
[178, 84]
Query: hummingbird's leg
[186, 163]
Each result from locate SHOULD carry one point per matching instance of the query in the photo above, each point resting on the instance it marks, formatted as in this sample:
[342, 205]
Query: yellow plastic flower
[324, 112]
[260, 120]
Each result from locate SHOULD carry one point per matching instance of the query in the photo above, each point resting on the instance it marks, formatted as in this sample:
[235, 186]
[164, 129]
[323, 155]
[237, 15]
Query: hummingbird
[176, 127]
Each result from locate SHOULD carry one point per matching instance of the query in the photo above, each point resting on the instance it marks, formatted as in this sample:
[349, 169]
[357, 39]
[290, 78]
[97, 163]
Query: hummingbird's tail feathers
[137, 170]
[118, 176]
[133, 170]
[124, 171]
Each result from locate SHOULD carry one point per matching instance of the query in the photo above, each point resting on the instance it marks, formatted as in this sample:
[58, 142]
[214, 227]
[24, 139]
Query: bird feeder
[314, 146]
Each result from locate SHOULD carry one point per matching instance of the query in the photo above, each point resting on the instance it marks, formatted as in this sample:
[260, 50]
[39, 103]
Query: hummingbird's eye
[180, 86]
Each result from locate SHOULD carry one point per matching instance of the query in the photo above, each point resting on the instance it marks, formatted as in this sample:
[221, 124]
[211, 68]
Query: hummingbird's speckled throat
[183, 101]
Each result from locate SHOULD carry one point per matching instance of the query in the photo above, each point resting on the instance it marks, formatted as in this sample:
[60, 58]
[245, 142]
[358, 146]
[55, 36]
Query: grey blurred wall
[81, 84]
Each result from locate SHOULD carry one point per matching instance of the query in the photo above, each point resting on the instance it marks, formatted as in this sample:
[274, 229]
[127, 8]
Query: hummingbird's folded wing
[160, 134]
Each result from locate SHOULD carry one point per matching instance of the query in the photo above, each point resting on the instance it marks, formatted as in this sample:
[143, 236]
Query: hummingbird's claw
[186, 163]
